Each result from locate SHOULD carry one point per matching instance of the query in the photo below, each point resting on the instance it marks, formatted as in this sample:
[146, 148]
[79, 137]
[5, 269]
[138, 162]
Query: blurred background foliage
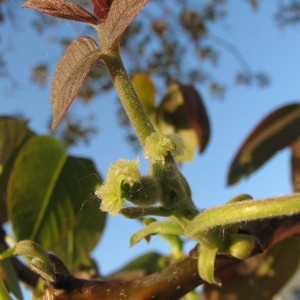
[176, 42]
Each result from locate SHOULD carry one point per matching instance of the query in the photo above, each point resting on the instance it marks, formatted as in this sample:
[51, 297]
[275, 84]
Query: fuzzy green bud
[120, 173]
[172, 185]
[158, 146]
[144, 193]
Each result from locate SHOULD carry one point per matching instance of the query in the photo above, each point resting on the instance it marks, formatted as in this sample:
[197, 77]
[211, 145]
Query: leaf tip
[54, 125]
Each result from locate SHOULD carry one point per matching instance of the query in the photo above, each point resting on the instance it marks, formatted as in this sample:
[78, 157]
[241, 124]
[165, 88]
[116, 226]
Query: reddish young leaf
[120, 15]
[70, 74]
[278, 130]
[62, 9]
[101, 8]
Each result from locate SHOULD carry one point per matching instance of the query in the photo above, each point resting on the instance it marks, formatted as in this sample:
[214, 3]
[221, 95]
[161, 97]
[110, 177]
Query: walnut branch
[178, 279]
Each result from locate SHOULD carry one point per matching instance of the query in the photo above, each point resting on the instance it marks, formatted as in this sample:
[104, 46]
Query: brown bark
[179, 278]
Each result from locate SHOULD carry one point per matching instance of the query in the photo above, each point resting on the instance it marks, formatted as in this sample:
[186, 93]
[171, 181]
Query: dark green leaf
[78, 180]
[30, 187]
[275, 132]
[51, 200]
[13, 134]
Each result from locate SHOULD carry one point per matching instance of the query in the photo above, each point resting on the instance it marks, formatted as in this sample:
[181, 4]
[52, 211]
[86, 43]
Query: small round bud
[144, 193]
[241, 245]
[239, 198]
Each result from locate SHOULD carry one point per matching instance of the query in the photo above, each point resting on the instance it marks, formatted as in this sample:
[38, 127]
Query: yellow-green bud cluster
[121, 172]
[158, 146]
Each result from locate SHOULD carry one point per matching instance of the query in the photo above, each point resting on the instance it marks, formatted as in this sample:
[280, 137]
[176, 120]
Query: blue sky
[265, 46]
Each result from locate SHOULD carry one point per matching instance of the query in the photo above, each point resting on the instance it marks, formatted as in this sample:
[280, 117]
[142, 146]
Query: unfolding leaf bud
[241, 245]
[239, 198]
[144, 193]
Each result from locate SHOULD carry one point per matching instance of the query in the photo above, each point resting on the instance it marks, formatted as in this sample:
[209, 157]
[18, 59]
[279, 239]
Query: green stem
[134, 109]
[243, 211]
[131, 103]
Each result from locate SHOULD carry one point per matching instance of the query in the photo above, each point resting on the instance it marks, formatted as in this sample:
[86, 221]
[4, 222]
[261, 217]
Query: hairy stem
[243, 211]
[131, 103]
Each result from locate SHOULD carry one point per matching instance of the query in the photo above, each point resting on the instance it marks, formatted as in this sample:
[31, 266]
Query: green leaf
[206, 263]
[39, 260]
[275, 132]
[31, 184]
[13, 134]
[162, 227]
[51, 200]
[70, 73]
[78, 179]
[121, 14]
[145, 89]
[28, 249]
